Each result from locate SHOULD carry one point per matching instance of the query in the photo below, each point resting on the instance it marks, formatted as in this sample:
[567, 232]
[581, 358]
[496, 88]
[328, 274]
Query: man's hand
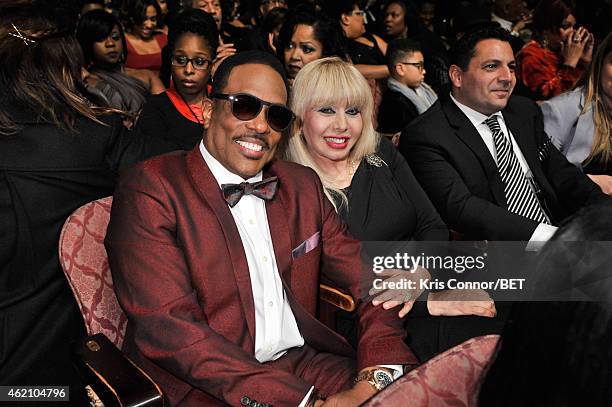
[392, 297]
[351, 398]
[461, 302]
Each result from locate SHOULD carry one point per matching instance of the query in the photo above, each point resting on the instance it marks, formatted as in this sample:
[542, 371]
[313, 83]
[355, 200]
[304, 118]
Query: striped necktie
[520, 197]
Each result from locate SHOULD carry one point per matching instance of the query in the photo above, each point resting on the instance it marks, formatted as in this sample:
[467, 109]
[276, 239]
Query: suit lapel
[466, 131]
[210, 192]
[279, 228]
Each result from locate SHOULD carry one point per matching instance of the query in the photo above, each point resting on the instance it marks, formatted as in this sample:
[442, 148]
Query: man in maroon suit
[219, 278]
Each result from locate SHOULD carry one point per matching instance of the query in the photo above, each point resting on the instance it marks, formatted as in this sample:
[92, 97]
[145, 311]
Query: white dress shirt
[276, 329]
[543, 232]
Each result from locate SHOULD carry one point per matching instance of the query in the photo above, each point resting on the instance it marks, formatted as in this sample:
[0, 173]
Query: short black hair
[464, 49]
[221, 76]
[193, 21]
[326, 30]
[197, 22]
[94, 26]
[398, 49]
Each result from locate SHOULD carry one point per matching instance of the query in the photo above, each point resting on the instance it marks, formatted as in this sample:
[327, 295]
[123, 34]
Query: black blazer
[395, 112]
[454, 166]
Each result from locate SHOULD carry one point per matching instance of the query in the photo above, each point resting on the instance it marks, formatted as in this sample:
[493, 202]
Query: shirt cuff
[398, 370]
[540, 236]
[305, 400]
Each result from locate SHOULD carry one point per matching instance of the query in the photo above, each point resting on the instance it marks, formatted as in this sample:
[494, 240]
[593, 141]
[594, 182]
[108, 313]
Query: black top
[364, 54]
[395, 112]
[163, 129]
[597, 167]
[45, 174]
[386, 203]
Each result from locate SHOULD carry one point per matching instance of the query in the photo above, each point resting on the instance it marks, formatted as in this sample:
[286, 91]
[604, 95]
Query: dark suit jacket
[182, 277]
[456, 169]
[395, 112]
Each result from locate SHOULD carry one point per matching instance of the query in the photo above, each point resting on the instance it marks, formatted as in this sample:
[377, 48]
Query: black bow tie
[264, 189]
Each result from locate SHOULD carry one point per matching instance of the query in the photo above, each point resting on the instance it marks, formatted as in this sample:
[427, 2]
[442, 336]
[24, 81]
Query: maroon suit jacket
[181, 275]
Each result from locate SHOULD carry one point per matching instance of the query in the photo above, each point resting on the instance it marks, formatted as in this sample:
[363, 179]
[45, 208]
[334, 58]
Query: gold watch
[378, 378]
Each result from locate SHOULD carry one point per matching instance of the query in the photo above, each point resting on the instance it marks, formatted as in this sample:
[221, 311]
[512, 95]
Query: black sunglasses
[247, 107]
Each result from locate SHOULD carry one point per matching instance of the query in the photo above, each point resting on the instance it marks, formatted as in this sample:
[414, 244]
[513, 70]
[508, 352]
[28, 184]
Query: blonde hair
[328, 81]
[602, 144]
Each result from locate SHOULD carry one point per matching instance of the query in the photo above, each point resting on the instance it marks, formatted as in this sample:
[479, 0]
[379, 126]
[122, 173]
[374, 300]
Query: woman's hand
[587, 53]
[526, 18]
[461, 302]
[573, 47]
[223, 51]
[399, 287]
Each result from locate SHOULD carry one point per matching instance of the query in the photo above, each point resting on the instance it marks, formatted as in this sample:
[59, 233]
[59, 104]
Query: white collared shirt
[276, 329]
[543, 232]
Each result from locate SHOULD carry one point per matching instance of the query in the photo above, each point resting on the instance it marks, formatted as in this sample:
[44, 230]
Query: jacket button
[245, 400]
[253, 403]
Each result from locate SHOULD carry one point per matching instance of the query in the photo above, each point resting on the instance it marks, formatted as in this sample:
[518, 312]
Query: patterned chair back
[85, 264]
[453, 378]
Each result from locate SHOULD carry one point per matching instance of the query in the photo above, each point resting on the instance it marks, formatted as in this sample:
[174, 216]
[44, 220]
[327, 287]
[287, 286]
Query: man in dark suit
[219, 278]
[482, 155]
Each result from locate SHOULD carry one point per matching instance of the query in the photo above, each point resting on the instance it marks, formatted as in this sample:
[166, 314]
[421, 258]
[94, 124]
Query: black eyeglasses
[247, 107]
[418, 65]
[198, 63]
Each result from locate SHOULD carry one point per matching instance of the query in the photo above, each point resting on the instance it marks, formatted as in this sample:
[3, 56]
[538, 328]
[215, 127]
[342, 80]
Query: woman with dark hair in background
[366, 50]
[270, 28]
[103, 44]
[579, 122]
[57, 152]
[173, 120]
[555, 58]
[307, 36]
[144, 43]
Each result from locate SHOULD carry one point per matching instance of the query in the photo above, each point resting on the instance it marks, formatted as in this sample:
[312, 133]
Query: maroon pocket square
[306, 246]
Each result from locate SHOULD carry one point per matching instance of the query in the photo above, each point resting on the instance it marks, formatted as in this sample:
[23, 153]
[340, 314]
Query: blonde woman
[333, 134]
[579, 122]
[368, 181]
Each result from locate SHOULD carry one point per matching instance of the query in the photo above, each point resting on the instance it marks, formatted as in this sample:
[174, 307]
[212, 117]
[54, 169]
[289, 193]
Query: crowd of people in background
[423, 120]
